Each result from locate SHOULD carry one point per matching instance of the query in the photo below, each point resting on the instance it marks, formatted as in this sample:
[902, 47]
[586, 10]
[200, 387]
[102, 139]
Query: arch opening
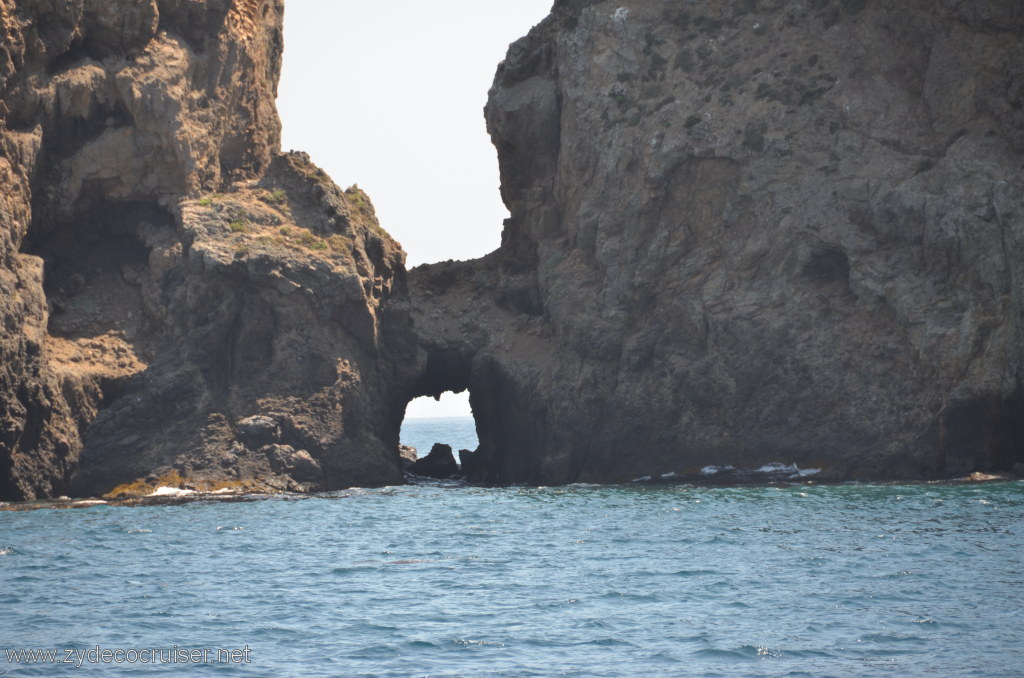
[438, 437]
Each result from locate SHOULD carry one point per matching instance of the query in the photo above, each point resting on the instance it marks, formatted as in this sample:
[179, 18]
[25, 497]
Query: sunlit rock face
[749, 232]
[182, 304]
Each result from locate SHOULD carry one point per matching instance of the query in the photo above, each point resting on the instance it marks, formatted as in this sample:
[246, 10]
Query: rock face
[744, 234]
[181, 303]
[748, 232]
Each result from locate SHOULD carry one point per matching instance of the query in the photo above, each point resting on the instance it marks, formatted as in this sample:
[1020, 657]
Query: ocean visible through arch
[438, 578]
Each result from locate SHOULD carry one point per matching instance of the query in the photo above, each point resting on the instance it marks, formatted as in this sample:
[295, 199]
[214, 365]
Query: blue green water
[442, 580]
[459, 432]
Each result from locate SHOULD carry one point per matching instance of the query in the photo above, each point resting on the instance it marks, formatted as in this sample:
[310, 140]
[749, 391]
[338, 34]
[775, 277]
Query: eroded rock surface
[182, 304]
[744, 233]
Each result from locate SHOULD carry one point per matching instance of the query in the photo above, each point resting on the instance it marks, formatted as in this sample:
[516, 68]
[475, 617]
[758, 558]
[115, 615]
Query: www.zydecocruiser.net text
[99, 655]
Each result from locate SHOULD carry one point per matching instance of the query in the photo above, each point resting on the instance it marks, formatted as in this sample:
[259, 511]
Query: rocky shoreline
[741, 234]
[179, 498]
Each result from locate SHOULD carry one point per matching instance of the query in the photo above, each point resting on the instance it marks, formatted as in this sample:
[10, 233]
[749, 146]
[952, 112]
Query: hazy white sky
[390, 96]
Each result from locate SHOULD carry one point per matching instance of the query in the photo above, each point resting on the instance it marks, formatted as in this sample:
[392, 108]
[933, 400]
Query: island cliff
[741, 233]
[181, 302]
[749, 232]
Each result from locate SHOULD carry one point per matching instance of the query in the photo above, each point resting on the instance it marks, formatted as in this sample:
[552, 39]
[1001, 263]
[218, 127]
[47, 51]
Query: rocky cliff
[748, 232]
[741, 233]
[181, 302]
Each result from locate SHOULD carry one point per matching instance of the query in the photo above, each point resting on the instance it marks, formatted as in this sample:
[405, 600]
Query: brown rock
[165, 271]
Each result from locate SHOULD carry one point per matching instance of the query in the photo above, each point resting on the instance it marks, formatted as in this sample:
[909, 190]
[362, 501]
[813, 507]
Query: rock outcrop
[439, 463]
[749, 235]
[744, 233]
[181, 302]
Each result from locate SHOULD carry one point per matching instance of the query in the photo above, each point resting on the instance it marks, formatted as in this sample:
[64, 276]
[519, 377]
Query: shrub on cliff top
[310, 241]
[277, 197]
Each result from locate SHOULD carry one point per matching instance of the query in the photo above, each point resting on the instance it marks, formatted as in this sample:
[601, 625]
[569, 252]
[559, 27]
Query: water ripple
[807, 580]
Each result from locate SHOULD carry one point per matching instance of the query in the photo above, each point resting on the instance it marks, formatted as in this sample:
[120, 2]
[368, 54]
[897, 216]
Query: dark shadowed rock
[746, 233]
[440, 463]
[472, 465]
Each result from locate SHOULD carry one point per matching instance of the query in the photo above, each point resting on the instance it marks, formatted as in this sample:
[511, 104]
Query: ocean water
[445, 580]
[459, 432]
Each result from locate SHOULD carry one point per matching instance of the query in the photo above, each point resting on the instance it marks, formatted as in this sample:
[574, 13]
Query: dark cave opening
[94, 266]
[95, 269]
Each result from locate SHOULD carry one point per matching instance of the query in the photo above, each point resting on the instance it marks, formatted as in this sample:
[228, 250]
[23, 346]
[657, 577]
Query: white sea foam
[669, 476]
[792, 469]
[6, 551]
[89, 502]
[171, 492]
[642, 479]
[776, 467]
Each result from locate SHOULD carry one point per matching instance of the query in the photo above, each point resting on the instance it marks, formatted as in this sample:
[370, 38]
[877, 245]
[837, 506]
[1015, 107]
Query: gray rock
[258, 431]
[741, 237]
[297, 464]
[408, 454]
